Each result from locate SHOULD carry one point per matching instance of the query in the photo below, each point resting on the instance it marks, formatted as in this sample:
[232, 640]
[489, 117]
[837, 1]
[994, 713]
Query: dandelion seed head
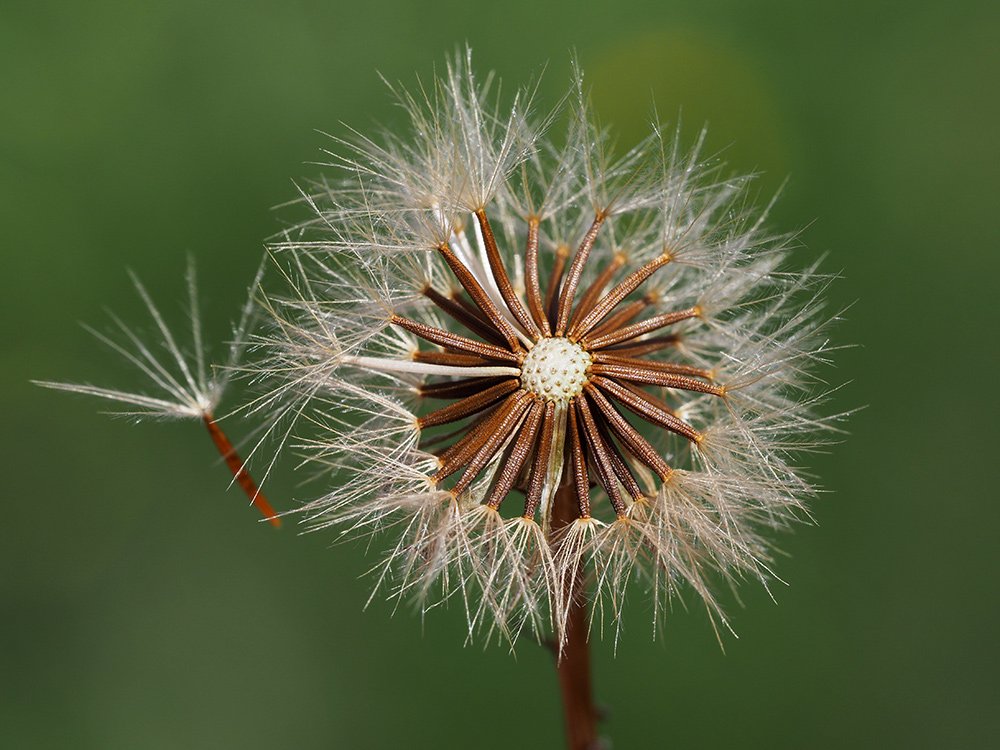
[535, 359]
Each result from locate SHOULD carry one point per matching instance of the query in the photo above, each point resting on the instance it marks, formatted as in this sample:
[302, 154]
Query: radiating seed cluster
[531, 359]
[555, 370]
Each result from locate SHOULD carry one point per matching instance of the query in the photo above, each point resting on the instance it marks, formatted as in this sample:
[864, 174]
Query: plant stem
[573, 657]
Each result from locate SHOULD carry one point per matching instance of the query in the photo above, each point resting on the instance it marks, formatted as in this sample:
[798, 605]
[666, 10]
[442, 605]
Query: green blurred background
[142, 607]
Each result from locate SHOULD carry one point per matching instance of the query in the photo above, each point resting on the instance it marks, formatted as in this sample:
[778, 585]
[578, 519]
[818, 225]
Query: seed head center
[555, 369]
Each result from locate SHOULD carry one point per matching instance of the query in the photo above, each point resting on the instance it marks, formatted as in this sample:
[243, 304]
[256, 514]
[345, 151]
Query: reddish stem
[573, 660]
[239, 469]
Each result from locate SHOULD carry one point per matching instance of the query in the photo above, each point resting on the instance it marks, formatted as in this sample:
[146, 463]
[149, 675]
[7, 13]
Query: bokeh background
[141, 606]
